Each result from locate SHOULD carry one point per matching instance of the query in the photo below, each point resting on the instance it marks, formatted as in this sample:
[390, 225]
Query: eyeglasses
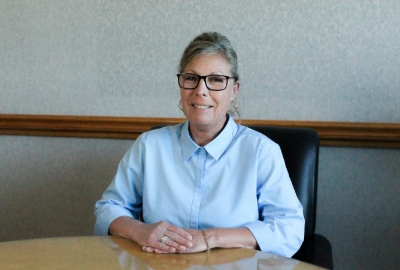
[190, 81]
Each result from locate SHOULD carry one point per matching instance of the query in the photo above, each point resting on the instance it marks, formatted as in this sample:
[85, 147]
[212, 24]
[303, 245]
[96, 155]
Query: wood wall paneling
[338, 134]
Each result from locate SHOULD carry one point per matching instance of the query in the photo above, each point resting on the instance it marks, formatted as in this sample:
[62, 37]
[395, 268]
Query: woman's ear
[236, 88]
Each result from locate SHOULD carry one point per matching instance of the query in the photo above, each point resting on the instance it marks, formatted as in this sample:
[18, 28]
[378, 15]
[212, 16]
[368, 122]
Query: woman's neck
[203, 135]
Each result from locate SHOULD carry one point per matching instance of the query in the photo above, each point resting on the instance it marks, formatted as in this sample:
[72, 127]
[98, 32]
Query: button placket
[198, 189]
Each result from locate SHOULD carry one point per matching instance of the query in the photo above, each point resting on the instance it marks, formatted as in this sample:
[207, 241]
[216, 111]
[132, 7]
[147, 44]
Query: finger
[177, 241]
[168, 246]
[159, 251]
[148, 249]
[154, 250]
[180, 237]
[172, 243]
[179, 231]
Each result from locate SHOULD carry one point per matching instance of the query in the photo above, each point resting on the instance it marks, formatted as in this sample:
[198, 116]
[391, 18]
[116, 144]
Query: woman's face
[206, 109]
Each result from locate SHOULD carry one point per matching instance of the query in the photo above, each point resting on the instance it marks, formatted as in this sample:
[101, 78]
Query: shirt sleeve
[280, 229]
[123, 197]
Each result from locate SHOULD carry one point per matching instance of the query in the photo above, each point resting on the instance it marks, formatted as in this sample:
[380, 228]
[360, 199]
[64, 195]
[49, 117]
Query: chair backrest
[300, 149]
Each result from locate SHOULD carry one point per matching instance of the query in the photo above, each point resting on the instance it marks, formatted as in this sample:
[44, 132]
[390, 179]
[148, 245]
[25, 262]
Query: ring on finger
[164, 239]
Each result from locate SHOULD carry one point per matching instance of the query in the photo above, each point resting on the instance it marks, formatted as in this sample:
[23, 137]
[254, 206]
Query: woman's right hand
[149, 235]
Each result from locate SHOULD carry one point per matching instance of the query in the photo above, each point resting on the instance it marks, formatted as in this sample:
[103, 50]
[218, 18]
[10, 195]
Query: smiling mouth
[201, 106]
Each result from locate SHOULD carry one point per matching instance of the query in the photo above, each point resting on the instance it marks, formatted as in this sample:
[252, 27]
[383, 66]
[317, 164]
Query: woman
[208, 182]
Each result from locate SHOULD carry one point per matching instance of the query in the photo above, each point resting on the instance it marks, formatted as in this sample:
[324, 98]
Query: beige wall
[299, 60]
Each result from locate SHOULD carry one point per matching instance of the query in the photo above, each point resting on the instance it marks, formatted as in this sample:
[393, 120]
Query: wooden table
[111, 252]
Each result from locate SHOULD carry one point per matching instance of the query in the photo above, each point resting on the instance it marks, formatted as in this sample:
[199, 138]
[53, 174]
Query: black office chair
[300, 149]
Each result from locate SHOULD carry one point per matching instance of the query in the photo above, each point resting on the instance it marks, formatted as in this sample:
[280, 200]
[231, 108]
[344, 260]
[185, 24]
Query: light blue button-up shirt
[237, 180]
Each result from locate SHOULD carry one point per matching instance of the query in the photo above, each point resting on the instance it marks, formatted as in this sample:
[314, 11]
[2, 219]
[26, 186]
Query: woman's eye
[217, 79]
[190, 78]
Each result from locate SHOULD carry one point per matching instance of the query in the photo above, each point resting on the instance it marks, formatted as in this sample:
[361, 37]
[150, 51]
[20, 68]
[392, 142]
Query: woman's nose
[201, 88]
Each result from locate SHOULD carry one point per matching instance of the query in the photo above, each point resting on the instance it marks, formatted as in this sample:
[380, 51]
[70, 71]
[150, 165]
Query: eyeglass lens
[213, 82]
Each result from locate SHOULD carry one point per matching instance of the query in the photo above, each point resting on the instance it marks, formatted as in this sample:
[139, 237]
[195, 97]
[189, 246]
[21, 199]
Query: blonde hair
[210, 43]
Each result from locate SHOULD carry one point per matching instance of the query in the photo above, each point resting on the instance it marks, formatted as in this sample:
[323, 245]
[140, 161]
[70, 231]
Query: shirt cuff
[108, 215]
[266, 239]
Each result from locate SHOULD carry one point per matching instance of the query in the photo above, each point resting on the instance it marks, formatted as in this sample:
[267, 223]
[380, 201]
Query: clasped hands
[163, 237]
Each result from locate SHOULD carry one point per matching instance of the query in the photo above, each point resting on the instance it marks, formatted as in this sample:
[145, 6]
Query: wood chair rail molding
[337, 134]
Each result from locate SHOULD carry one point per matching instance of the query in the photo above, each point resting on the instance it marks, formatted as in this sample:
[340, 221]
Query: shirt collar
[188, 145]
[216, 147]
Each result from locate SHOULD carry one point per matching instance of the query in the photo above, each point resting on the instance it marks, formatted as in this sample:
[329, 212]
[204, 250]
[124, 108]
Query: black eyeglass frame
[205, 81]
